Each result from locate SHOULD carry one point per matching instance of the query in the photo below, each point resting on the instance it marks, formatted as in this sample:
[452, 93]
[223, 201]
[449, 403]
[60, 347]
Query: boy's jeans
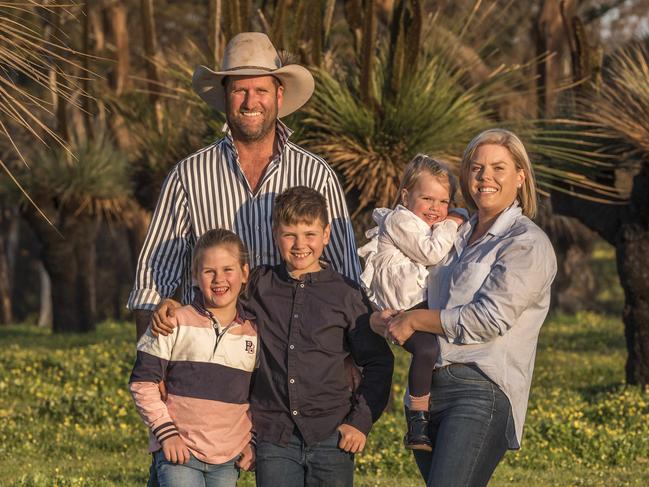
[298, 465]
[195, 473]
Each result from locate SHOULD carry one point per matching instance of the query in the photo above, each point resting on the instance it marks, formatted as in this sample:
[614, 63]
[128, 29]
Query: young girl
[415, 234]
[201, 434]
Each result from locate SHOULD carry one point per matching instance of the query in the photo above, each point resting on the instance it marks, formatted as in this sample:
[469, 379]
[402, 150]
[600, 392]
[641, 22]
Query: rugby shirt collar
[198, 303]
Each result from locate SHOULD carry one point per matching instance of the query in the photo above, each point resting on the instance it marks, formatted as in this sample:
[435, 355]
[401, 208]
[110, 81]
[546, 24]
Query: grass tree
[619, 111]
[76, 190]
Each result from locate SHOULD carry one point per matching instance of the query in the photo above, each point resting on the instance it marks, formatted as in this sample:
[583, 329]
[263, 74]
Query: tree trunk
[45, 312]
[151, 51]
[6, 315]
[70, 263]
[627, 228]
[633, 268]
[575, 285]
[214, 32]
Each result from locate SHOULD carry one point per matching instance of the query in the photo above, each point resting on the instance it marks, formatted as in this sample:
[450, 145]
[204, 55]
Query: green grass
[66, 417]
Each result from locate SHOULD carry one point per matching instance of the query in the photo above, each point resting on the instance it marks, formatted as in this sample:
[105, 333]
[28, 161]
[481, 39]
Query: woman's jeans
[296, 464]
[468, 425]
[194, 473]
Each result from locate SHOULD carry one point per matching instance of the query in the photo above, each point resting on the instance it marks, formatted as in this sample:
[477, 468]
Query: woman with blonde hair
[487, 301]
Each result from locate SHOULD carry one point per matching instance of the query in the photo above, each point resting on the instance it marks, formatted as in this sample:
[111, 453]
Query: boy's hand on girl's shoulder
[351, 439]
[160, 323]
[175, 450]
[246, 460]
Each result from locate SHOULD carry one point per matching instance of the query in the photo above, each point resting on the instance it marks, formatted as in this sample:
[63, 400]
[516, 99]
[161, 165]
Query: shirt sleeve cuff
[362, 422]
[143, 299]
[450, 319]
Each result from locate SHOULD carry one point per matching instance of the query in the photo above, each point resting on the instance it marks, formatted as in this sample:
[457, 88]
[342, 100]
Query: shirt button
[291, 347]
[302, 285]
[295, 315]
[292, 381]
[294, 413]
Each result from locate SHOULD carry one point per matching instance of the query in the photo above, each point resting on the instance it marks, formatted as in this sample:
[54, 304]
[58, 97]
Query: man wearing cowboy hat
[232, 183]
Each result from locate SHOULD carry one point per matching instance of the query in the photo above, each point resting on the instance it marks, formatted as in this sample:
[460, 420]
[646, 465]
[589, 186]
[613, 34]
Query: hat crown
[250, 50]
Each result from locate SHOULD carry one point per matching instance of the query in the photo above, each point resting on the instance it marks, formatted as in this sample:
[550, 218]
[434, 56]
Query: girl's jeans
[195, 473]
[468, 425]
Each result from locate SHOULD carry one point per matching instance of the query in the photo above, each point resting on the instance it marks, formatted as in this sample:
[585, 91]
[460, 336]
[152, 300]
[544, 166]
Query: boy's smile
[301, 245]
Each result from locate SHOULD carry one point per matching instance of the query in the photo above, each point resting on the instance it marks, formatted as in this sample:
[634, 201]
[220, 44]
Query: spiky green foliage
[621, 106]
[95, 181]
[370, 145]
[31, 46]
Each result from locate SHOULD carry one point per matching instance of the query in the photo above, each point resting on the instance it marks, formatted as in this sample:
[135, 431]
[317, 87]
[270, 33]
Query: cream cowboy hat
[252, 54]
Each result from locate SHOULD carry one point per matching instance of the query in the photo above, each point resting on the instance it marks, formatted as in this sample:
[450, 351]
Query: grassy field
[66, 417]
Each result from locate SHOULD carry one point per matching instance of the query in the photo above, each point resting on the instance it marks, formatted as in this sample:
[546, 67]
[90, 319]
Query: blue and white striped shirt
[208, 190]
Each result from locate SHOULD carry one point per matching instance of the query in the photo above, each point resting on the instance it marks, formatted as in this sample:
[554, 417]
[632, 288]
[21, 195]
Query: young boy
[310, 318]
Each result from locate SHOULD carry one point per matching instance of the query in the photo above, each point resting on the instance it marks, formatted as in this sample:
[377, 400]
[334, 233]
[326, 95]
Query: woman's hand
[160, 323]
[379, 321]
[401, 327]
[246, 460]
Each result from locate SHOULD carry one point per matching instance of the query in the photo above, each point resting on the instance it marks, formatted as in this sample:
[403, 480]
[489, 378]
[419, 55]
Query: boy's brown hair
[218, 237]
[300, 204]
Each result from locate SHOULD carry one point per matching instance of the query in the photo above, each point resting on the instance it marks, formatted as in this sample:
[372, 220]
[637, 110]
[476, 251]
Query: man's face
[252, 104]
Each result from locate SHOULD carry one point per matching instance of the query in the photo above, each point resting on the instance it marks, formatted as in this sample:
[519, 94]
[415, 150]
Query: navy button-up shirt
[307, 328]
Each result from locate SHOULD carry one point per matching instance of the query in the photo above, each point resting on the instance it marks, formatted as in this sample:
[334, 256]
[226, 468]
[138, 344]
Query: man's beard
[250, 133]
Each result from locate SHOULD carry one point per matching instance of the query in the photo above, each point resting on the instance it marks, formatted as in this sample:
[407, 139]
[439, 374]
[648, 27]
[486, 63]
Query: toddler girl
[201, 434]
[415, 234]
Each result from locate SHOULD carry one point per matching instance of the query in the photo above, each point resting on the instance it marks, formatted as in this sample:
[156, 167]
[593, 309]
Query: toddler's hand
[175, 450]
[456, 218]
[351, 439]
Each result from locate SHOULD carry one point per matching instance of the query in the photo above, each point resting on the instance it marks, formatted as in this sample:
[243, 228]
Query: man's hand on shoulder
[160, 320]
[351, 439]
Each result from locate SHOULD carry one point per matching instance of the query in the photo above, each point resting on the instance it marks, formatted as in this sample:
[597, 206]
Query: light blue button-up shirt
[494, 295]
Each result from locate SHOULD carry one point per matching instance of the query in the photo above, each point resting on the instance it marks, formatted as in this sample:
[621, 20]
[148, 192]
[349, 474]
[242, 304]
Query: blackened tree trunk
[69, 259]
[627, 228]
[633, 268]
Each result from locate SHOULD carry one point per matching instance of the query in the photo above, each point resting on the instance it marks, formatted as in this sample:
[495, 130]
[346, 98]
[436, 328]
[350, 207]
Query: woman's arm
[403, 325]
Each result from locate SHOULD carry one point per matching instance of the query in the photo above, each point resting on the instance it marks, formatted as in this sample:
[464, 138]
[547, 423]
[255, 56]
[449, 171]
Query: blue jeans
[195, 473]
[468, 425]
[298, 465]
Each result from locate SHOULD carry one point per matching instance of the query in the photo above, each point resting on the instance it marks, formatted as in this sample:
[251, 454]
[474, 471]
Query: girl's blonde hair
[526, 196]
[422, 163]
[216, 238]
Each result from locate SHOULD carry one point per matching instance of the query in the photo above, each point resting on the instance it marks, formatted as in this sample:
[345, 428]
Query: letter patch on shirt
[250, 347]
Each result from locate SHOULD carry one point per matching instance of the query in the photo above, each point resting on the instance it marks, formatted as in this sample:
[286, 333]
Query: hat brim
[297, 81]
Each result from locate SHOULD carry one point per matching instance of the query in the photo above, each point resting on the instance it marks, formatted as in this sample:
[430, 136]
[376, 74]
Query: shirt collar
[499, 228]
[324, 274]
[198, 303]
